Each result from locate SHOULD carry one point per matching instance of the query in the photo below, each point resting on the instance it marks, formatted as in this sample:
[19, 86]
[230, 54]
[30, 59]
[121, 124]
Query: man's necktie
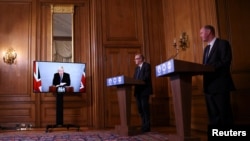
[207, 54]
[61, 78]
[138, 72]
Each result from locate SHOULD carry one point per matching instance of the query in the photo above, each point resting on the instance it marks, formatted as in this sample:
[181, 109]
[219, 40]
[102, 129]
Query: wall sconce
[182, 43]
[9, 57]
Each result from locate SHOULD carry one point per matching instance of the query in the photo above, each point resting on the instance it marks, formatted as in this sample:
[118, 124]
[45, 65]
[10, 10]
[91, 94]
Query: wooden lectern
[180, 74]
[68, 89]
[124, 91]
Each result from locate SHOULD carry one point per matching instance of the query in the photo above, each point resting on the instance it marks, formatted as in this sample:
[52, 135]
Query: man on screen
[61, 78]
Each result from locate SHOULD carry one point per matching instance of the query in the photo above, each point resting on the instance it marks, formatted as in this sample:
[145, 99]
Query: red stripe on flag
[37, 84]
[83, 83]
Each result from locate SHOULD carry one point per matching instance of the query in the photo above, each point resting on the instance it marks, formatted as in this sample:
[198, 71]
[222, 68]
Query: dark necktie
[206, 54]
[138, 72]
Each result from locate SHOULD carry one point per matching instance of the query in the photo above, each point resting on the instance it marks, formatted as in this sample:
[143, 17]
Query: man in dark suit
[142, 92]
[61, 78]
[218, 84]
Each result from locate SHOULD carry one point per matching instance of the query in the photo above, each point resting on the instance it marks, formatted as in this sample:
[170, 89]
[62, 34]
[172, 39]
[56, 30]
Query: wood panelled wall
[233, 24]
[27, 29]
[130, 27]
[17, 103]
[189, 16]
[107, 34]
[230, 21]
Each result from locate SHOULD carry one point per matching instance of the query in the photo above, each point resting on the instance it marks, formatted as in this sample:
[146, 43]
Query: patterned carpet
[77, 136]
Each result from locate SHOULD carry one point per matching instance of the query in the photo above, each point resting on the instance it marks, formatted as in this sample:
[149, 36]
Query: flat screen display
[54, 77]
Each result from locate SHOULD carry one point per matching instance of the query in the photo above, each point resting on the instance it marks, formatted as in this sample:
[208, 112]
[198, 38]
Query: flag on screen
[37, 84]
[83, 80]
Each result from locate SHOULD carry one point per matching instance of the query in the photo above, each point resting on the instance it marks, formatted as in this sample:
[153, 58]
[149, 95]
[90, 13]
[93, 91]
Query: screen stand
[59, 115]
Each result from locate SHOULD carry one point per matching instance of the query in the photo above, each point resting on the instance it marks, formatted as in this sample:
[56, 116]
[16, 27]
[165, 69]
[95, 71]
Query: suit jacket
[220, 58]
[144, 75]
[65, 79]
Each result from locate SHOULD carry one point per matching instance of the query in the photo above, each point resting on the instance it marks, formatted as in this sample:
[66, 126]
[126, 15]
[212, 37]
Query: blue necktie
[207, 54]
[138, 72]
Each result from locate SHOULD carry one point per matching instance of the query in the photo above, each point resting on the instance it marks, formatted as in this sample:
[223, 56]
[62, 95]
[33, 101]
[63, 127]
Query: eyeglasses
[137, 58]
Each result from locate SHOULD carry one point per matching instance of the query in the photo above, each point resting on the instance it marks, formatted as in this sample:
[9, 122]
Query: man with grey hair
[61, 78]
[218, 84]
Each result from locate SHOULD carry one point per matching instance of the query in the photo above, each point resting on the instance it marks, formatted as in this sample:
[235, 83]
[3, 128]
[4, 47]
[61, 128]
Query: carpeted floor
[77, 136]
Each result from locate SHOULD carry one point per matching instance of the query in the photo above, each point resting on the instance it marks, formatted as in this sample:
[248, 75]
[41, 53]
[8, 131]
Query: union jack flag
[37, 83]
[83, 83]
